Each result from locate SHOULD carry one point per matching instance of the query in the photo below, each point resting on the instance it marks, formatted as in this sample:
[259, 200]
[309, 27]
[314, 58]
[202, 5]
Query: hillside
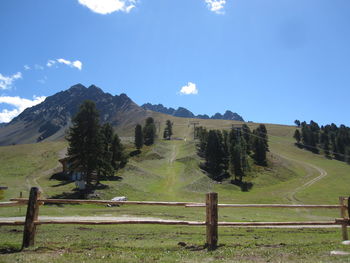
[169, 171]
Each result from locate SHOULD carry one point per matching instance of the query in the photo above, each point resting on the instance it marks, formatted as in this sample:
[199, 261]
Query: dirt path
[173, 154]
[32, 180]
[322, 174]
[172, 177]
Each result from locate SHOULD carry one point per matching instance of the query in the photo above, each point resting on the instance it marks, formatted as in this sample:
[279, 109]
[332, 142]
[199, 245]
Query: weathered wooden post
[344, 226]
[31, 217]
[212, 220]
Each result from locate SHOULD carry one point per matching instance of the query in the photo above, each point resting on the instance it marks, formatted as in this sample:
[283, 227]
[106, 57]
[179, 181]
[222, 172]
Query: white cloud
[26, 67]
[190, 88]
[7, 81]
[77, 64]
[104, 7]
[20, 105]
[50, 63]
[216, 6]
[73, 64]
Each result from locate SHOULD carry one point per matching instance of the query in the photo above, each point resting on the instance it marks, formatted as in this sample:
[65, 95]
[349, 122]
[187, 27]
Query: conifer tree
[347, 154]
[214, 155]
[138, 137]
[149, 131]
[260, 145]
[238, 155]
[168, 131]
[119, 158]
[297, 136]
[105, 160]
[85, 146]
[246, 133]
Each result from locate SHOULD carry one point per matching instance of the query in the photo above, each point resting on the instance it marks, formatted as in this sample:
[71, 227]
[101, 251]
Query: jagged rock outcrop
[185, 113]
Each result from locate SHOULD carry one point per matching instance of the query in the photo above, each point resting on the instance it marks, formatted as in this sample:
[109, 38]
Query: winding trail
[172, 177]
[32, 180]
[322, 173]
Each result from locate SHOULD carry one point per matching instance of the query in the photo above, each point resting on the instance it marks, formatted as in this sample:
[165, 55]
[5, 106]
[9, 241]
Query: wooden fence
[211, 222]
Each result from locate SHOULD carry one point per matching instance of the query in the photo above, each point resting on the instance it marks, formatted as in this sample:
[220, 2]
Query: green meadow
[169, 171]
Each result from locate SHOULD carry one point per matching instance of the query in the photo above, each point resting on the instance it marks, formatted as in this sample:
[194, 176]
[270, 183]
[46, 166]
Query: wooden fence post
[31, 217]
[212, 220]
[344, 226]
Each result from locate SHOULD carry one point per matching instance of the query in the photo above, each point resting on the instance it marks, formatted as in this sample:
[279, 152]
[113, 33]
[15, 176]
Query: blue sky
[270, 61]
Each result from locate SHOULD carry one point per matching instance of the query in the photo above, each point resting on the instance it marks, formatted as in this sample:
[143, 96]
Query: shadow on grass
[111, 178]
[214, 175]
[245, 186]
[134, 153]
[9, 249]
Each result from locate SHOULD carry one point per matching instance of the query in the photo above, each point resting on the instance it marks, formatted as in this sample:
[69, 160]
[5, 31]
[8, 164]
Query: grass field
[168, 171]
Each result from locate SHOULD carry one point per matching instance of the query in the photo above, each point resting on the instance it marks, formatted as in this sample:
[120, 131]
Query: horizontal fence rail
[186, 204]
[268, 206]
[105, 202]
[338, 221]
[34, 202]
[11, 203]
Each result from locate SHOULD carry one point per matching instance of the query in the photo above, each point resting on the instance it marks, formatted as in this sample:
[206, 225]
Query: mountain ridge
[185, 113]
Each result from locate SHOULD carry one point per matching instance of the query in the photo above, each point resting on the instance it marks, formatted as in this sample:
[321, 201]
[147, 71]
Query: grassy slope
[169, 171]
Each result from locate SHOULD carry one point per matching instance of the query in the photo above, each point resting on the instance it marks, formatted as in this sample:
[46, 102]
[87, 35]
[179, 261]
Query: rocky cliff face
[185, 113]
[50, 119]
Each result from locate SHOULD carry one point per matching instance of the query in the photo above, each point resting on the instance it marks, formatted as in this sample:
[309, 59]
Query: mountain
[50, 119]
[185, 113]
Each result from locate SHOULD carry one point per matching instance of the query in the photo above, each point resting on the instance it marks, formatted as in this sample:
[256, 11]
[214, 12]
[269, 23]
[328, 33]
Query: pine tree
[149, 131]
[225, 149]
[260, 146]
[238, 155]
[138, 137]
[85, 145]
[347, 154]
[105, 160]
[119, 158]
[202, 135]
[214, 155]
[168, 131]
[297, 136]
[324, 140]
[246, 132]
[262, 133]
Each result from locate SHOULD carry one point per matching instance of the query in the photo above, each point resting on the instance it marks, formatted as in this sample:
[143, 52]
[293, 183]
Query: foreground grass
[170, 244]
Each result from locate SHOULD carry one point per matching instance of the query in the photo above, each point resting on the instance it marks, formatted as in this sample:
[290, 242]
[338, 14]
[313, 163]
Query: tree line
[230, 153]
[147, 134]
[95, 150]
[330, 139]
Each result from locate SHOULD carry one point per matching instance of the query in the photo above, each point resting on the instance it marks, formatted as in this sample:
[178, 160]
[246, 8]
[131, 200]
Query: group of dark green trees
[229, 153]
[94, 149]
[332, 140]
[145, 135]
[168, 131]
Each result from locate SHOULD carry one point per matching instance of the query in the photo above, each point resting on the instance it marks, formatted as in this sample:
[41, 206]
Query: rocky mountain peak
[53, 116]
